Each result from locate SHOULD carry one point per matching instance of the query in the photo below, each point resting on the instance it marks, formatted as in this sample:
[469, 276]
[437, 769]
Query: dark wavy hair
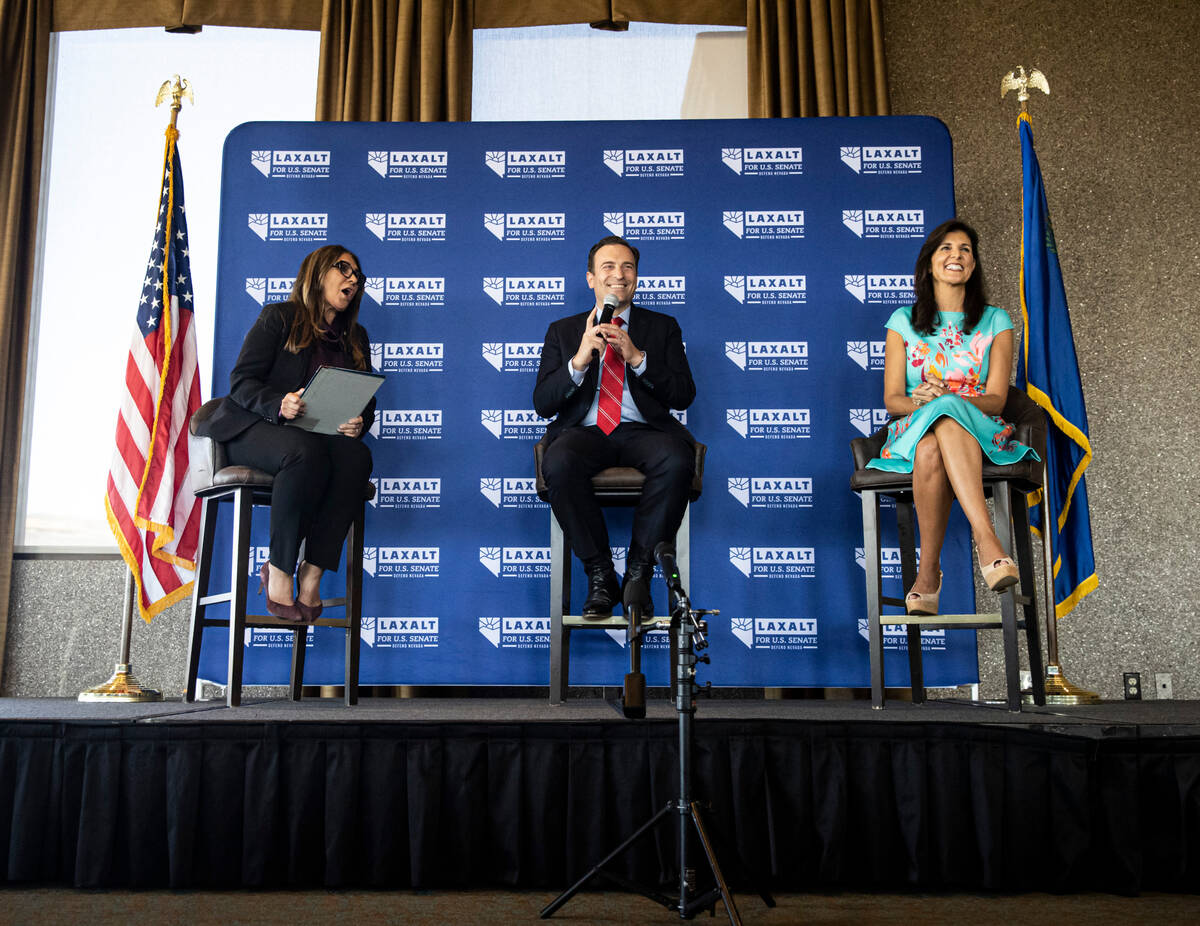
[611, 239]
[309, 299]
[925, 315]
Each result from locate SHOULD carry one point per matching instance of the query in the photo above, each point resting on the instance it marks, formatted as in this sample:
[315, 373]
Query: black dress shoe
[603, 592]
[635, 590]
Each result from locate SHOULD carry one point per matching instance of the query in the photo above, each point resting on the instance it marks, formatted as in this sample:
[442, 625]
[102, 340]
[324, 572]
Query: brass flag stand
[1059, 690]
[123, 685]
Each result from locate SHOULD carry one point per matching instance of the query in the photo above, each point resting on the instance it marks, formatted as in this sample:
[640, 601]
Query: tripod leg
[597, 869]
[735, 918]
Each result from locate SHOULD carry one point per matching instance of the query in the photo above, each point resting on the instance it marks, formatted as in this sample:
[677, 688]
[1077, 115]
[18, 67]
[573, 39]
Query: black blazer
[265, 372]
[665, 384]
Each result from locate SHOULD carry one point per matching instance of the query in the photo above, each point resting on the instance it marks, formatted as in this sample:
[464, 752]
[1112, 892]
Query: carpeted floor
[53, 906]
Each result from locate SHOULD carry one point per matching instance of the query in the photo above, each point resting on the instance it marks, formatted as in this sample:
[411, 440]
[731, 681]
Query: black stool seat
[244, 487]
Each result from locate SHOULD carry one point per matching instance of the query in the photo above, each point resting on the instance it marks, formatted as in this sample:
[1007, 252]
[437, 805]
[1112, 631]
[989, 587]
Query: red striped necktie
[612, 384]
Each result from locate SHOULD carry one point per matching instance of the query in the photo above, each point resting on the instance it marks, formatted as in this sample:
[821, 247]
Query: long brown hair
[925, 309]
[309, 299]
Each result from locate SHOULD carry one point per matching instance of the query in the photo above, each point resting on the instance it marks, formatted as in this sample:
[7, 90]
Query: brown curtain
[395, 60]
[24, 62]
[816, 58]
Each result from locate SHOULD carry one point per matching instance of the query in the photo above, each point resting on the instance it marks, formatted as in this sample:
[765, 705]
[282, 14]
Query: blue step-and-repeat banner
[780, 245]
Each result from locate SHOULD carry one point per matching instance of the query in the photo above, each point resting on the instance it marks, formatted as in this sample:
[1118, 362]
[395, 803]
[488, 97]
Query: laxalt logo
[778, 633]
[294, 165]
[527, 292]
[513, 356]
[289, 226]
[885, 223]
[757, 162]
[768, 356]
[407, 292]
[408, 357]
[889, 561]
[258, 556]
[410, 165]
[885, 159]
[770, 423]
[269, 289]
[895, 637]
[656, 291]
[510, 491]
[880, 288]
[400, 632]
[646, 226]
[513, 423]
[407, 424]
[867, 354]
[527, 226]
[516, 562]
[527, 165]
[772, 491]
[644, 162]
[868, 420]
[516, 632]
[774, 562]
[768, 289]
[402, 562]
[261, 638]
[407, 492]
[765, 224]
[407, 226]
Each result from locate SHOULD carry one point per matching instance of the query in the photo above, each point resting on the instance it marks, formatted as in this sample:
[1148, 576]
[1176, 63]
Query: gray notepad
[335, 395]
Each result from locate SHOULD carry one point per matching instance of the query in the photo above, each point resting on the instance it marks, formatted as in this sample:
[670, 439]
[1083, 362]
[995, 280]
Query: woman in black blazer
[319, 478]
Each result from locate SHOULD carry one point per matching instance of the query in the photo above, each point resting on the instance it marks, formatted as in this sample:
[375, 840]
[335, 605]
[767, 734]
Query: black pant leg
[668, 463]
[571, 461]
[300, 464]
[350, 468]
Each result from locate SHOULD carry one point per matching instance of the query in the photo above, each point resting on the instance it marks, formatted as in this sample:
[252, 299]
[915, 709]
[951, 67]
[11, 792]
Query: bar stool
[1007, 487]
[245, 488]
[617, 486]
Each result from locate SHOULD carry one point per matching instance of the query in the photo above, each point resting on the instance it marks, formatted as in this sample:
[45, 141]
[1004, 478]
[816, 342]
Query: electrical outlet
[1162, 686]
[1133, 686]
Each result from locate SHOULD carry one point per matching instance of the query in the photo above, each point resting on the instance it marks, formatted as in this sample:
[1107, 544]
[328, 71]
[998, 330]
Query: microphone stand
[688, 634]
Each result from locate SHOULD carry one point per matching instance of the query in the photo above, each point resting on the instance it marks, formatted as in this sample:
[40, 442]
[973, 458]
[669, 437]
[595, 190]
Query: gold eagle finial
[175, 90]
[1016, 80]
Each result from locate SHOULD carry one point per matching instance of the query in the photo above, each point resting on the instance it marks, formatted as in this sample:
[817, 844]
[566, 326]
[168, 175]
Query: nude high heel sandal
[1000, 574]
[916, 603]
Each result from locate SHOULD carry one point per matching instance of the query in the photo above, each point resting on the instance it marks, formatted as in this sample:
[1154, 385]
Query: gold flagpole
[123, 684]
[1059, 690]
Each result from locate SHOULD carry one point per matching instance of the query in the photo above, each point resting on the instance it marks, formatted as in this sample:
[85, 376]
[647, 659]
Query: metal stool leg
[208, 524]
[242, 508]
[872, 567]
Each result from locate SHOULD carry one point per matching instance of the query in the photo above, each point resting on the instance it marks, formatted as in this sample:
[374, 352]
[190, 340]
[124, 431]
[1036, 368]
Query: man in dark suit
[610, 389]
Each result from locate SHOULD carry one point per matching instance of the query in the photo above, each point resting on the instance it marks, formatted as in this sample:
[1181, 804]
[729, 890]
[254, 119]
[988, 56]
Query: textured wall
[1117, 140]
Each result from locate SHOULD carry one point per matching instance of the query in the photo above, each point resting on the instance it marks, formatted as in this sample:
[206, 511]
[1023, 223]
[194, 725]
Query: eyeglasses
[349, 271]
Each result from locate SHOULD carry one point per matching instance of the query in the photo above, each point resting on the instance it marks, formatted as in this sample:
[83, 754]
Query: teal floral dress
[961, 362]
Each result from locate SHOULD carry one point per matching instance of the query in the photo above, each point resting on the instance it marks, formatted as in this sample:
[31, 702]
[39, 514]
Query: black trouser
[578, 453]
[318, 490]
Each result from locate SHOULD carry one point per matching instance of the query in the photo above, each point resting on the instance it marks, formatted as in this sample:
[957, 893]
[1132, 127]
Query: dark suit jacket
[265, 372]
[665, 384]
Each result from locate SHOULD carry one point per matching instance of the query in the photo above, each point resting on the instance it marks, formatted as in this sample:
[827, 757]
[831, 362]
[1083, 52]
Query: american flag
[151, 508]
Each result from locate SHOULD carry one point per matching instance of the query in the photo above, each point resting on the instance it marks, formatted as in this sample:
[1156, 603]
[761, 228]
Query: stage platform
[513, 792]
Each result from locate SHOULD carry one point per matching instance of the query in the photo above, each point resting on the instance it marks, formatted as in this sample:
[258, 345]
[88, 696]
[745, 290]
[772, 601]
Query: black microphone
[610, 306]
[664, 553]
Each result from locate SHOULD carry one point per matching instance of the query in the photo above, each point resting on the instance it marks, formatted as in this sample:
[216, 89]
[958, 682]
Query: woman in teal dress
[946, 366]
